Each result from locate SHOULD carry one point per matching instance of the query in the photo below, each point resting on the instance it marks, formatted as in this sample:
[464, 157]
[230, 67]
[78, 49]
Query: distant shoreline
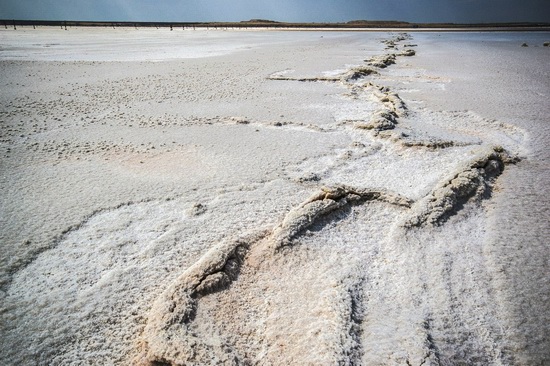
[265, 24]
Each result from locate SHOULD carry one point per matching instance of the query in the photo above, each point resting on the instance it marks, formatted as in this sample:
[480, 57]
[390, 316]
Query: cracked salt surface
[210, 208]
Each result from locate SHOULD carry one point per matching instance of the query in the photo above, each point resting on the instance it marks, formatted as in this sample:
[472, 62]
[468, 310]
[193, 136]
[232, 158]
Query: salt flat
[270, 198]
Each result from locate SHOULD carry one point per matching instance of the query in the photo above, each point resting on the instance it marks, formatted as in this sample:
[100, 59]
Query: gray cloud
[462, 11]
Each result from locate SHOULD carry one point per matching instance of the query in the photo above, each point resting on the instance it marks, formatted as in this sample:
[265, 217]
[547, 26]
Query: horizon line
[269, 23]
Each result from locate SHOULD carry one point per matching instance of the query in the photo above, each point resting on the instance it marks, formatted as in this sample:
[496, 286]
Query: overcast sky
[464, 11]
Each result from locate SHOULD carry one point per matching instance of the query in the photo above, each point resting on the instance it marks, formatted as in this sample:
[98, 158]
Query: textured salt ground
[494, 77]
[345, 322]
[320, 269]
[129, 175]
[82, 283]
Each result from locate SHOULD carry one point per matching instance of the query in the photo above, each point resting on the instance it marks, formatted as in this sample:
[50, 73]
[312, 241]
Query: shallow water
[144, 44]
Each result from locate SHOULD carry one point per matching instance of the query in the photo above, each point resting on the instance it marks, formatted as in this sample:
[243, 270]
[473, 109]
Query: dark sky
[458, 11]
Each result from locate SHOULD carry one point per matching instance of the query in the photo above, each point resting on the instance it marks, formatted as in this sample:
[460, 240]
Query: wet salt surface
[143, 44]
[125, 183]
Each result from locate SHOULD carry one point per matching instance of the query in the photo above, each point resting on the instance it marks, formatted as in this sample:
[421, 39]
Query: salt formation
[473, 181]
[168, 337]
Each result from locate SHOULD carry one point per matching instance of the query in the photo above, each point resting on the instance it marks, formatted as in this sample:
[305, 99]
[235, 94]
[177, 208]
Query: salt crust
[153, 291]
